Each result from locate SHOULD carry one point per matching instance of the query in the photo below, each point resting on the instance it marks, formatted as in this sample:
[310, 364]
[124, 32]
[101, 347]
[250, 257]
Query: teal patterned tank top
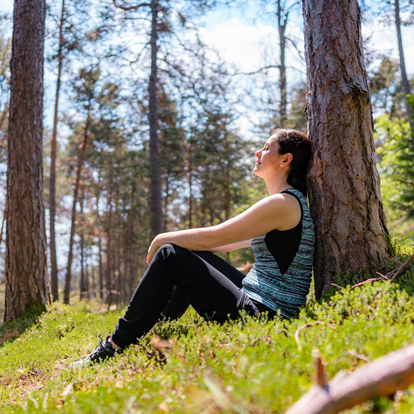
[285, 289]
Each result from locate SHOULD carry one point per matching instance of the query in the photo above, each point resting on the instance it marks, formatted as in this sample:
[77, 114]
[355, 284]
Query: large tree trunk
[75, 202]
[345, 196]
[157, 222]
[27, 279]
[52, 180]
[405, 83]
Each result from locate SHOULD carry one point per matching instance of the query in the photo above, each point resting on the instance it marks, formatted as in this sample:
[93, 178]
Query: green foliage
[250, 360]
[396, 165]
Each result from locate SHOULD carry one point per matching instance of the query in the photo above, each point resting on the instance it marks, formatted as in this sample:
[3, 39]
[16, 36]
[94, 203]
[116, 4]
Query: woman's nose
[258, 153]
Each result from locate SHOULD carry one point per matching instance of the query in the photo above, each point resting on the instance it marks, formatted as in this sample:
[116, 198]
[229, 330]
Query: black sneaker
[102, 352]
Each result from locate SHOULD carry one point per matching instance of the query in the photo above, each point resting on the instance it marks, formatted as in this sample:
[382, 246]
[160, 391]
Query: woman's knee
[171, 250]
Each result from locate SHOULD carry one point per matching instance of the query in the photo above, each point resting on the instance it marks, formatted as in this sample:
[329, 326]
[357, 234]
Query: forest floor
[247, 366]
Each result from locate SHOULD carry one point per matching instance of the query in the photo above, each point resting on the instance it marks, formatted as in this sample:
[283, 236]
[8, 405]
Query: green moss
[256, 363]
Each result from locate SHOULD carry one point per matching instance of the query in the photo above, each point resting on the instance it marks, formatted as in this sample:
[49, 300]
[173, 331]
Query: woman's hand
[154, 246]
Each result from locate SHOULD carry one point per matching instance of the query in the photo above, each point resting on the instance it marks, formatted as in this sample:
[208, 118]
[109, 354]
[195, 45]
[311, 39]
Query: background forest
[212, 115]
[152, 114]
[214, 107]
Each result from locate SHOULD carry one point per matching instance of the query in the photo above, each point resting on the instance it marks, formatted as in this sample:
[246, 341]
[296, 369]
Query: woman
[183, 270]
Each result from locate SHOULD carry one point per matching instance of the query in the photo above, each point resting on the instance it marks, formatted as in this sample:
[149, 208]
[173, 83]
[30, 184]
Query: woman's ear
[287, 158]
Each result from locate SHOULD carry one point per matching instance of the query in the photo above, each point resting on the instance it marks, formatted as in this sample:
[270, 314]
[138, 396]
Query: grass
[246, 366]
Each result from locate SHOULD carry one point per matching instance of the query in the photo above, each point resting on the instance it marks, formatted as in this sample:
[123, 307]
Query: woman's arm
[230, 247]
[277, 211]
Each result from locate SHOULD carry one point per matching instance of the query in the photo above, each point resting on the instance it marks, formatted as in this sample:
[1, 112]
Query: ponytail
[299, 145]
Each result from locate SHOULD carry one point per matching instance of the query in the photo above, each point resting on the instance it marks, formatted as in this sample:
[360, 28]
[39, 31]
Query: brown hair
[299, 145]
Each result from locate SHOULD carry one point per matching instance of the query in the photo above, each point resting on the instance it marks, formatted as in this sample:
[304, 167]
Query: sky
[240, 40]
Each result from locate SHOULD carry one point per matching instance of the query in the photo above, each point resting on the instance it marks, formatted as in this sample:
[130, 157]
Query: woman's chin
[256, 171]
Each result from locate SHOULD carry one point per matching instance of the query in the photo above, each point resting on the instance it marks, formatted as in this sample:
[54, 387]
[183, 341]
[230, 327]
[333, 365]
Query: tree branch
[297, 49]
[257, 71]
[127, 8]
[380, 378]
[406, 263]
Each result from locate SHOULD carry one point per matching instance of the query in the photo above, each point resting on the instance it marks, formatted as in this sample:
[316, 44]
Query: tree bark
[75, 202]
[157, 222]
[345, 195]
[52, 180]
[405, 83]
[27, 279]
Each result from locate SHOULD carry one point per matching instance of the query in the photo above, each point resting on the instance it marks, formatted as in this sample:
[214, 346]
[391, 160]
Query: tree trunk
[27, 279]
[93, 290]
[100, 281]
[156, 204]
[3, 117]
[281, 25]
[75, 201]
[405, 83]
[101, 295]
[345, 196]
[83, 288]
[52, 180]
[190, 184]
[108, 276]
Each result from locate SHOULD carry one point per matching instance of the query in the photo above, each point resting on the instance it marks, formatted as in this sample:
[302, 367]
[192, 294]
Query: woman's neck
[277, 185]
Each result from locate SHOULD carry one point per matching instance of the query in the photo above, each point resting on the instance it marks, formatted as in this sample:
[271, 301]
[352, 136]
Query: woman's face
[269, 162]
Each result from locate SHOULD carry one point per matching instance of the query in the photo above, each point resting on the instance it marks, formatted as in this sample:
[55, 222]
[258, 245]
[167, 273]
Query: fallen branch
[376, 279]
[406, 263]
[380, 378]
[358, 355]
[334, 284]
[393, 275]
[385, 277]
[307, 326]
[320, 375]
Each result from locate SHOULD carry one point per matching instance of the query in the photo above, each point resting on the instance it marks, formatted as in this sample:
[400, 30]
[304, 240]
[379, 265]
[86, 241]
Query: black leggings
[176, 278]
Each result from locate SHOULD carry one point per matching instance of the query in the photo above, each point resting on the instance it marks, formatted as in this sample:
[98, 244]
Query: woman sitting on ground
[183, 269]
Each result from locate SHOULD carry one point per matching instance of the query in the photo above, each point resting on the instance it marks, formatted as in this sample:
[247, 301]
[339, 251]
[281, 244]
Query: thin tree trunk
[166, 198]
[52, 180]
[405, 83]
[100, 281]
[227, 191]
[120, 280]
[190, 184]
[75, 201]
[2, 224]
[27, 278]
[82, 285]
[156, 204]
[93, 281]
[345, 196]
[101, 295]
[130, 257]
[109, 253]
[4, 116]
[88, 294]
[281, 25]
